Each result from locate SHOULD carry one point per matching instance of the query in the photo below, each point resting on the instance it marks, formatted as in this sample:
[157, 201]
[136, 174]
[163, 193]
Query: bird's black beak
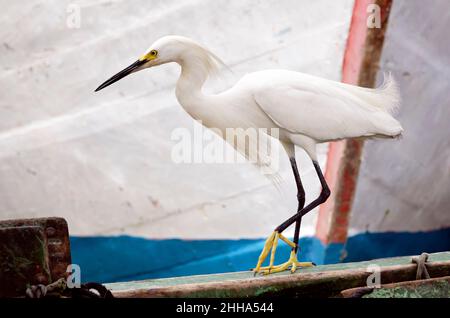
[130, 69]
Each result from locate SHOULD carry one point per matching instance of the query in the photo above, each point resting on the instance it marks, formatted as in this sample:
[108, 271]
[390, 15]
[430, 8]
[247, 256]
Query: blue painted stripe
[377, 245]
[125, 258]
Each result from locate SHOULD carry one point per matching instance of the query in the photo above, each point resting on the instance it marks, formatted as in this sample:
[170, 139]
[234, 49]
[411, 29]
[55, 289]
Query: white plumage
[306, 109]
[310, 110]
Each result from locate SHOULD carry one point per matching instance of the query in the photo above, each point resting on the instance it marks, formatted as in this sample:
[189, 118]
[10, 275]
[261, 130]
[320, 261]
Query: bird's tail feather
[385, 98]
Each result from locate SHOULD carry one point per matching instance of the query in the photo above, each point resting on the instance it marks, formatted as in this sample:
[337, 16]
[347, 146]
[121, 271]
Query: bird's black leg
[300, 199]
[324, 194]
[272, 240]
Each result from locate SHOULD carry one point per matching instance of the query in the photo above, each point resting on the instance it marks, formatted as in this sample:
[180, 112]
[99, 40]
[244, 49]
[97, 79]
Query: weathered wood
[320, 281]
[32, 251]
[426, 288]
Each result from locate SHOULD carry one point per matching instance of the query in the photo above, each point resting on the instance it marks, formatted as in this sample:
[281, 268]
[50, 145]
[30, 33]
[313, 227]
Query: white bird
[305, 109]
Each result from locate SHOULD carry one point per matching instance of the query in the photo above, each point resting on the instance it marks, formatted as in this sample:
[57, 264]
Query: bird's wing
[321, 112]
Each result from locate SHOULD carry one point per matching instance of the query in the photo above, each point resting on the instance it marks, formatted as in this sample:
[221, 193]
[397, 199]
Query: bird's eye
[153, 53]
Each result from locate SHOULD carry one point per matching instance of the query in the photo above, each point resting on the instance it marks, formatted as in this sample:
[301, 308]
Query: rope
[59, 289]
[421, 266]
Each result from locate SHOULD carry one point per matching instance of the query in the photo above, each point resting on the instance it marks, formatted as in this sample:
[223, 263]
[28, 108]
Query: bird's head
[168, 49]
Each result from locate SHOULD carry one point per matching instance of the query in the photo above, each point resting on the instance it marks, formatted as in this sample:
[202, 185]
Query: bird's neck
[189, 86]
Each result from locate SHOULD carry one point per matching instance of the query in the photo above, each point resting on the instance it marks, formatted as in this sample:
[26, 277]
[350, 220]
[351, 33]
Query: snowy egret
[306, 110]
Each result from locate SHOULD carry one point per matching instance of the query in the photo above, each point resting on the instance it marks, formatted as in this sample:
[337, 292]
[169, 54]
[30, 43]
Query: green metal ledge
[317, 282]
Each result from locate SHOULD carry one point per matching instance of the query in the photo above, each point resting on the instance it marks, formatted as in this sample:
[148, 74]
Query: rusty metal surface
[32, 251]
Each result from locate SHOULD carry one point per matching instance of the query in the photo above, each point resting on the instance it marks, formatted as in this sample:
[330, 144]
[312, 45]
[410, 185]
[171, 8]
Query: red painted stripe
[334, 228]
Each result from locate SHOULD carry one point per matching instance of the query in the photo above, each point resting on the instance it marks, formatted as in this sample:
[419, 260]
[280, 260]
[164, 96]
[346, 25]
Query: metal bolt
[50, 231]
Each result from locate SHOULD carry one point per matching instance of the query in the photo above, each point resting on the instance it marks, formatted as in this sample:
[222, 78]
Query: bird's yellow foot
[271, 244]
[291, 264]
